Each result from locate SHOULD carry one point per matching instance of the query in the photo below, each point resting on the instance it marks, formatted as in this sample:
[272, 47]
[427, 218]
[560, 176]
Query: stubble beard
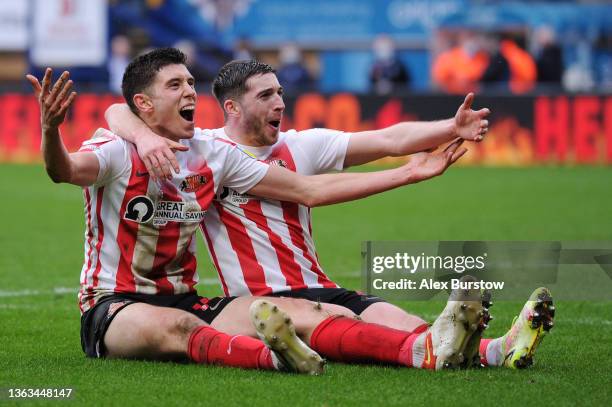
[258, 129]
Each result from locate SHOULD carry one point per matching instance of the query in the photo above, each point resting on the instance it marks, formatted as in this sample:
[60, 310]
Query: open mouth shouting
[187, 112]
[275, 124]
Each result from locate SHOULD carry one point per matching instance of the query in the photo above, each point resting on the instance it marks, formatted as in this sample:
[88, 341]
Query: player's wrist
[407, 174]
[452, 129]
[50, 129]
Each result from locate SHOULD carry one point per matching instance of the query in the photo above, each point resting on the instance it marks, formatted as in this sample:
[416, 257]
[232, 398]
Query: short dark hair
[230, 82]
[141, 72]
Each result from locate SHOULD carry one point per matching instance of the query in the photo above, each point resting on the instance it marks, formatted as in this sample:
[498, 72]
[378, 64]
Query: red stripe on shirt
[100, 237]
[90, 248]
[310, 231]
[79, 301]
[188, 264]
[291, 216]
[204, 196]
[242, 245]
[128, 230]
[89, 235]
[213, 254]
[321, 276]
[165, 253]
[290, 269]
[167, 243]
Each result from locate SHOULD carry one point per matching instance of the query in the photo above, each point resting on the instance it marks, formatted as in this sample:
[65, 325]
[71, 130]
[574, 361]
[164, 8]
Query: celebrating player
[264, 247]
[137, 292]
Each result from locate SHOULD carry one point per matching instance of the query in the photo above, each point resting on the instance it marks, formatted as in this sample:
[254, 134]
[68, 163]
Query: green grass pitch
[41, 253]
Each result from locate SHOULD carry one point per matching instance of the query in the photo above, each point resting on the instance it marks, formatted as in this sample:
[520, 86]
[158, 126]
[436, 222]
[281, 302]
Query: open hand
[471, 125]
[157, 154]
[427, 165]
[54, 101]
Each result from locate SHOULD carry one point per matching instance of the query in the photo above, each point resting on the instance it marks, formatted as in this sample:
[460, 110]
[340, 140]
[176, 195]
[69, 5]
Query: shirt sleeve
[112, 154]
[325, 149]
[241, 171]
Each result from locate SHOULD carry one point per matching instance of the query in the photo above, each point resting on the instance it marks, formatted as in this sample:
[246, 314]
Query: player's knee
[314, 312]
[173, 336]
[307, 308]
[185, 324]
[391, 316]
[333, 309]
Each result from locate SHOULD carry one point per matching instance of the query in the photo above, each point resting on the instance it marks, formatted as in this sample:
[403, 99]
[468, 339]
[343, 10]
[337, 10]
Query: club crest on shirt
[193, 182]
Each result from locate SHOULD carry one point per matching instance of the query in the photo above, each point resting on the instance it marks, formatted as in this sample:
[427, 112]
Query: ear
[143, 102]
[231, 107]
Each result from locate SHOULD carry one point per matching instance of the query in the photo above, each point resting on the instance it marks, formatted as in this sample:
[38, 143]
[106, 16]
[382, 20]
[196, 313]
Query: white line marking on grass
[72, 290]
[32, 293]
[584, 321]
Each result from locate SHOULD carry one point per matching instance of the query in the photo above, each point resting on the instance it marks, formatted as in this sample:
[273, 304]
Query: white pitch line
[71, 290]
[33, 293]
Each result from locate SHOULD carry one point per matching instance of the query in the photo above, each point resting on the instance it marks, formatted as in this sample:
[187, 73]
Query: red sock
[349, 340]
[482, 350]
[209, 346]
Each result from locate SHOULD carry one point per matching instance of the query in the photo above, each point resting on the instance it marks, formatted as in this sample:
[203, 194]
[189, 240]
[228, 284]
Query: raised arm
[156, 151]
[326, 189]
[77, 168]
[411, 137]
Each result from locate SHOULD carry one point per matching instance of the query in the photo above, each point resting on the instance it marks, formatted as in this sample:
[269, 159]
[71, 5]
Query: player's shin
[349, 340]
[440, 346]
[209, 346]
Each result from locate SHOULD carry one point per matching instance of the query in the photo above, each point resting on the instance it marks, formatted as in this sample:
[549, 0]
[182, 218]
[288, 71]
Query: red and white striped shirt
[260, 246]
[139, 233]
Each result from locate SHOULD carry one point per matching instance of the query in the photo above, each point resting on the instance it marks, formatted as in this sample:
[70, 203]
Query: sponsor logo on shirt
[141, 209]
[234, 197]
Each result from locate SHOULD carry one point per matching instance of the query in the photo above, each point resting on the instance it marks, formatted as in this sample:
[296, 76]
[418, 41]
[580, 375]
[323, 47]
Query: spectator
[204, 66]
[292, 73]
[459, 69]
[243, 50]
[549, 57]
[603, 60]
[578, 77]
[497, 74]
[523, 71]
[387, 72]
[120, 56]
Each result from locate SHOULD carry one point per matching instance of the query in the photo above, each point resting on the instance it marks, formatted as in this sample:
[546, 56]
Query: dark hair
[230, 82]
[141, 72]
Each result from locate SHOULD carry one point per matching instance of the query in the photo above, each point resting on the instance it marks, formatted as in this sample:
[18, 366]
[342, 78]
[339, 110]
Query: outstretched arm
[155, 151]
[77, 168]
[326, 189]
[411, 137]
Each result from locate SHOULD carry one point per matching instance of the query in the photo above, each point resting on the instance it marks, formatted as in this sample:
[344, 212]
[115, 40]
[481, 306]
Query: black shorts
[353, 300]
[96, 321]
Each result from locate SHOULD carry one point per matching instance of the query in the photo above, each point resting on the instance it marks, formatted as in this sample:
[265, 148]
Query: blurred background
[543, 67]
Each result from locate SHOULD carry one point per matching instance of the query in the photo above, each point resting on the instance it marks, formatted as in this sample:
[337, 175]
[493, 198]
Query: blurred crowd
[468, 61]
[458, 60]
[461, 61]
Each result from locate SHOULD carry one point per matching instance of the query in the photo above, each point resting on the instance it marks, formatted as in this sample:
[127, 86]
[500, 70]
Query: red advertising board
[524, 130]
